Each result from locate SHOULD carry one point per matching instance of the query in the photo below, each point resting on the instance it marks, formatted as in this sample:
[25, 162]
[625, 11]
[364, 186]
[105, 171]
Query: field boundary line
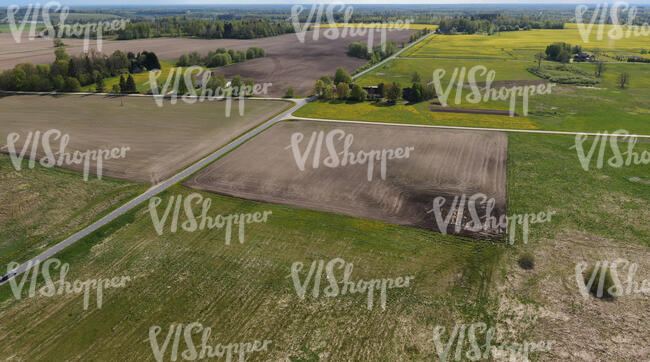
[460, 128]
[152, 191]
[118, 95]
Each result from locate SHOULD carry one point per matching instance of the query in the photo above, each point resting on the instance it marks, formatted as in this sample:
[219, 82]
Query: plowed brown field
[162, 140]
[445, 163]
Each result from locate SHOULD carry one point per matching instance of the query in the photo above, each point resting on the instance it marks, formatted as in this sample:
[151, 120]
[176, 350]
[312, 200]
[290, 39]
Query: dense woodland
[204, 28]
[70, 73]
[220, 57]
[490, 24]
[420, 14]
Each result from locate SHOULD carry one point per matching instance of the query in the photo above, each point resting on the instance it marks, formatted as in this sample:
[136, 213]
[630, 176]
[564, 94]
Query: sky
[250, 2]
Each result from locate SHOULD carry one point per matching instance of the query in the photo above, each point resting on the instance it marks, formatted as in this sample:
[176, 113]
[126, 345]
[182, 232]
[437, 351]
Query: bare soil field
[161, 140]
[288, 62]
[446, 163]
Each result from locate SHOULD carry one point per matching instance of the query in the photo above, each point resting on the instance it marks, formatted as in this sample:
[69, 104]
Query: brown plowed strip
[162, 140]
[445, 163]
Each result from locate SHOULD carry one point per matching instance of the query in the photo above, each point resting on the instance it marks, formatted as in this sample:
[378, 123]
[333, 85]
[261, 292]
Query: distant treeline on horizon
[256, 21]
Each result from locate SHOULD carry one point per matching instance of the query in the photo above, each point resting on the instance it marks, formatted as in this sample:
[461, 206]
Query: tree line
[220, 57]
[360, 50]
[342, 88]
[561, 52]
[490, 24]
[70, 73]
[203, 28]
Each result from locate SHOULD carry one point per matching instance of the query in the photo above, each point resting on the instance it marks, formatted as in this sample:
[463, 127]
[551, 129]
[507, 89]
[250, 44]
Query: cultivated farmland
[520, 45]
[442, 163]
[288, 61]
[162, 140]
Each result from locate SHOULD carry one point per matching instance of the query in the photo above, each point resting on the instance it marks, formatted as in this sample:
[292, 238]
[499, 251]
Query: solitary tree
[326, 79]
[600, 69]
[289, 93]
[342, 76]
[182, 87]
[564, 56]
[319, 87]
[416, 78]
[342, 90]
[539, 57]
[236, 84]
[250, 84]
[123, 88]
[130, 85]
[623, 79]
[596, 53]
[100, 85]
[393, 92]
[329, 92]
[358, 93]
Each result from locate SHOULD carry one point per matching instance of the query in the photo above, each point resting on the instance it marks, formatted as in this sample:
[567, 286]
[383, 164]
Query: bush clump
[526, 261]
[607, 283]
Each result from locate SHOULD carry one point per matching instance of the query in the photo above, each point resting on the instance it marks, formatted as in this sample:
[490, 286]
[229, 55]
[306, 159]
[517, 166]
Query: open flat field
[441, 163]
[42, 206]
[244, 293]
[567, 108]
[289, 63]
[522, 44]
[162, 140]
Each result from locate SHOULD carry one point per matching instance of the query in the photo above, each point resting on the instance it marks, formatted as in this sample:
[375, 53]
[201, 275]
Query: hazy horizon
[182, 3]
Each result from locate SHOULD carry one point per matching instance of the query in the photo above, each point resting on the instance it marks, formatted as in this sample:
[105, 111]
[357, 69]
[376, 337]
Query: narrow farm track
[463, 128]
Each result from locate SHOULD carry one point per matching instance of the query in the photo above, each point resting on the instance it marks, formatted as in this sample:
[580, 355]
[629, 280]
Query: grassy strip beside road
[43, 205]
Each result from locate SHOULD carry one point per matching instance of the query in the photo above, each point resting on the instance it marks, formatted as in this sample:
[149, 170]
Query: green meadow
[603, 107]
[244, 290]
[141, 79]
[523, 45]
[43, 206]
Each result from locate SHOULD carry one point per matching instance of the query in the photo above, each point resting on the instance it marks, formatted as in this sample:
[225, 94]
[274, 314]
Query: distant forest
[204, 28]
[256, 21]
[491, 24]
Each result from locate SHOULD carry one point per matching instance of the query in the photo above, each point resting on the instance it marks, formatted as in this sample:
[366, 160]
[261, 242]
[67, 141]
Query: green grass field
[521, 44]
[141, 79]
[43, 206]
[567, 108]
[243, 290]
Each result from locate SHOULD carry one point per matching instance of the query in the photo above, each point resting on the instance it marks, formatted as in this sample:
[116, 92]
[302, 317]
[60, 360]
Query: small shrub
[607, 283]
[526, 261]
[289, 93]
